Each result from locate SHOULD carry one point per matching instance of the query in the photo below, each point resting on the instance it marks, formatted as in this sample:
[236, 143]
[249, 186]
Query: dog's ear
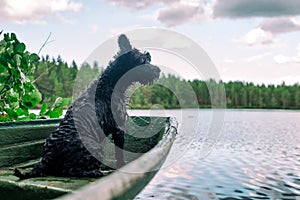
[124, 43]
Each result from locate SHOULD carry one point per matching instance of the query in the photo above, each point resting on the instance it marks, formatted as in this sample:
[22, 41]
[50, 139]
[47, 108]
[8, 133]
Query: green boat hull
[147, 144]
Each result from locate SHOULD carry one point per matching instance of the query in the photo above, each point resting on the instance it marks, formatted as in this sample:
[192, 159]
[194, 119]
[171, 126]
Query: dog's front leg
[118, 138]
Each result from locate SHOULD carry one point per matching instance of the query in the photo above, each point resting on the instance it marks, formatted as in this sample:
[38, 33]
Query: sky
[247, 40]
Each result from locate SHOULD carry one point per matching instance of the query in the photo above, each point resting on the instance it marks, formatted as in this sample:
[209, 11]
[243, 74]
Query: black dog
[74, 148]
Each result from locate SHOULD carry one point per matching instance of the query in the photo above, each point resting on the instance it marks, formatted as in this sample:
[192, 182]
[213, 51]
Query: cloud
[179, 13]
[138, 4]
[280, 25]
[281, 59]
[171, 12]
[267, 30]
[256, 36]
[32, 11]
[256, 8]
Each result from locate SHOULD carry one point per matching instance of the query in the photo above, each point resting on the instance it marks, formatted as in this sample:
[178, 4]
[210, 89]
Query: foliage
[27, 82]
[248, 95]
[18, 94]
[238, 94]
[85, 75]
[57, 78]
[54, 78]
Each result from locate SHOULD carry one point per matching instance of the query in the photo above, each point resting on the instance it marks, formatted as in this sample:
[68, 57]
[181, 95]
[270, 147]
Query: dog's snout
[155, 69]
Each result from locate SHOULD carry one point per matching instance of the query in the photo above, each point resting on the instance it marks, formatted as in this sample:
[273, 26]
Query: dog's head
[135, 65]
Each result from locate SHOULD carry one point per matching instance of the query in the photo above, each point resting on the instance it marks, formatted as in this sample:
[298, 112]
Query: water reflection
[257, 157]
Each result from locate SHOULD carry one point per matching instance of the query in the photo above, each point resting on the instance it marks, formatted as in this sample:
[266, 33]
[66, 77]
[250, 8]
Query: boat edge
[128, 181]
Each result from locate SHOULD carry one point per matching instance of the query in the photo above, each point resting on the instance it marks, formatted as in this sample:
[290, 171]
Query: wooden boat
[148, 142]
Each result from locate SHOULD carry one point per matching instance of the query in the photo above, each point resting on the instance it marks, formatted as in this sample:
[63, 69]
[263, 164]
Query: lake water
[257, 156]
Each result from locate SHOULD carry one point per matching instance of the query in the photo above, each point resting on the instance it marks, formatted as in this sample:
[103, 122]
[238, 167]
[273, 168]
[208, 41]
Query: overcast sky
[248, 40]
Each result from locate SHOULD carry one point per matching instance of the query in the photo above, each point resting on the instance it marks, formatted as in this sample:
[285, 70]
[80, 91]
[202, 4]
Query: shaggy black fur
[74, 148]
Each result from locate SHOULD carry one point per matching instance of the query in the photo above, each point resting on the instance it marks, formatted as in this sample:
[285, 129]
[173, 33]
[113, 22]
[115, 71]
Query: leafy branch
[18, 94]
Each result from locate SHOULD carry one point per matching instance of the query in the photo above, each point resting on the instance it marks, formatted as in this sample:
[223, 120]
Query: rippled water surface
[257, 156]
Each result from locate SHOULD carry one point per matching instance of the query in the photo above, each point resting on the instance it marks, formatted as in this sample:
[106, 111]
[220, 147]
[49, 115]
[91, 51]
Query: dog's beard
[147, 82]
[146, 74]
[149, 79]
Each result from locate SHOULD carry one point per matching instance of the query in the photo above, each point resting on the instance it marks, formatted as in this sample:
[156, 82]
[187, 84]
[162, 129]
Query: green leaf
[43, 109]
[27, 104]
[25, 110]
[29, 87]
[2, 68]
[59, 111]
[6, 37]
[2, 45]
[52, 114]
[20, 111]
[19, 48]
[56, 113]
[4, 118]
[58, 102]
[30, 99]
[11, 113]
[3, 61]
[15, 73]
[17, 59]
[2, 104]
[13, 97]
[32, 116]
[65, 102]
[36, 97]
[10, 51]
[2, 79]
[34, 57]
[13, 36]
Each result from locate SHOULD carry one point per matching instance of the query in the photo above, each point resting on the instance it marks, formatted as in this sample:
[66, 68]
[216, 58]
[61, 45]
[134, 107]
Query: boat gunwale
[117, 184]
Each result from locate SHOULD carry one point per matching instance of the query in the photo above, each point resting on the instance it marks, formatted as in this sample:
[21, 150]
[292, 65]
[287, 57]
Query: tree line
[56, 78]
